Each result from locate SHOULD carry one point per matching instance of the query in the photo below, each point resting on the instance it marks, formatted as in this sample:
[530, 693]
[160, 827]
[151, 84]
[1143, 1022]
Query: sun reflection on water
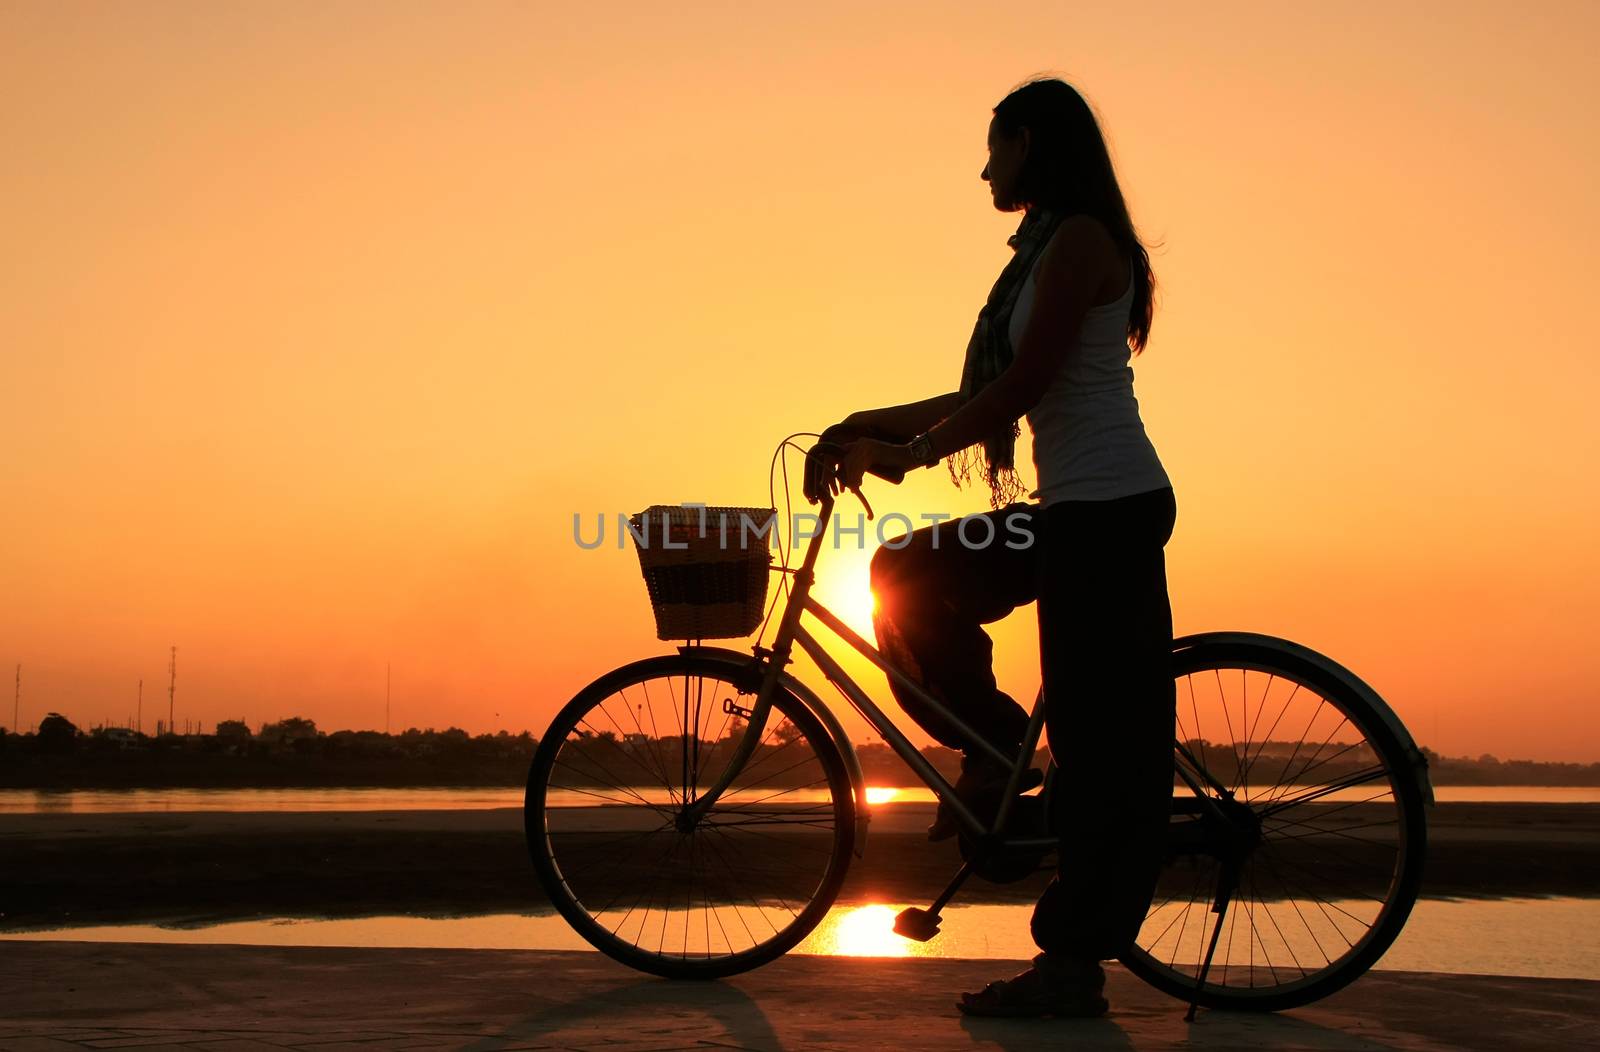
[861, 931]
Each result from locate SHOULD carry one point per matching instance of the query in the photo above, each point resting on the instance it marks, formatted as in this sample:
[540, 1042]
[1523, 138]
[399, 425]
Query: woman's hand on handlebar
[885, 459]
[843, 448]
[822, 460]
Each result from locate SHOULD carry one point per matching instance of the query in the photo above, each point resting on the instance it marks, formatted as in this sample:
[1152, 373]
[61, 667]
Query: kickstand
[922, 925]
[1225, 888]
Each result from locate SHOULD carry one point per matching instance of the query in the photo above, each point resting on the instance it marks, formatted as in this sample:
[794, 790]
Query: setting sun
[858, 608]
[844, 584]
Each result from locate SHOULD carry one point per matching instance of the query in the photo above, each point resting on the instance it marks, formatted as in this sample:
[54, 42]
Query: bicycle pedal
[917, 924]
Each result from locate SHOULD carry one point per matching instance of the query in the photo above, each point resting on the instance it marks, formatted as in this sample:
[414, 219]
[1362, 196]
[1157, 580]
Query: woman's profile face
[1005, 163]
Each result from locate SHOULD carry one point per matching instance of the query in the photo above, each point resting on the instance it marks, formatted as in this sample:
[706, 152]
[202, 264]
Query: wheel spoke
[1349, 782]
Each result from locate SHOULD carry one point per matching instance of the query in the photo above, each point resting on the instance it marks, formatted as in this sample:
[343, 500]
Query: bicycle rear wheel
[617, 768]
[1307, 826]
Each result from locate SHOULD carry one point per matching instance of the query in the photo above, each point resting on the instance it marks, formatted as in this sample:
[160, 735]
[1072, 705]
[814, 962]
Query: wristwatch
[922, 451]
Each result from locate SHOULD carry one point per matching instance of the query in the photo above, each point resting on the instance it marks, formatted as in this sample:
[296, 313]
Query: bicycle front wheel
[619, 766]
[1301, 817]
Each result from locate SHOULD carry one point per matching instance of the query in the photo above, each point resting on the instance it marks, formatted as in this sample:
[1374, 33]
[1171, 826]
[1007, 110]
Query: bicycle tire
[1295, 850]
[726, 868]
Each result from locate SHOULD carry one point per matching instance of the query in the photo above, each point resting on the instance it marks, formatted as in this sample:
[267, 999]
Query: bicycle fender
[1323, 663]
[830, 722]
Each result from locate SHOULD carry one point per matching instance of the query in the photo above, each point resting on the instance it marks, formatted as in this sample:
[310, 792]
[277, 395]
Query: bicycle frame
[791, 632]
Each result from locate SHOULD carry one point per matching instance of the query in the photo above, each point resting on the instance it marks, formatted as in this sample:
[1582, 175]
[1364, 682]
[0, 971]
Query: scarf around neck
[989, 352]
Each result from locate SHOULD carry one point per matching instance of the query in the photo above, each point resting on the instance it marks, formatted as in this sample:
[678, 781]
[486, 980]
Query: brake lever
[862, 497]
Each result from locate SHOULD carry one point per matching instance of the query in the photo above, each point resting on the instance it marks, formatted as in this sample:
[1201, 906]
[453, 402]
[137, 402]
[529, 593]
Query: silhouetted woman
[1052, 343]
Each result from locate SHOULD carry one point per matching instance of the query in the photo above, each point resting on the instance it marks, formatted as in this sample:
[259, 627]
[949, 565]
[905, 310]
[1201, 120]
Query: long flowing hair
[1068, 169]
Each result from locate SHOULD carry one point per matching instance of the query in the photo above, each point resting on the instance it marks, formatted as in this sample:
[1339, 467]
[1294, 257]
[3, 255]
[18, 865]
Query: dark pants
[1098, 572]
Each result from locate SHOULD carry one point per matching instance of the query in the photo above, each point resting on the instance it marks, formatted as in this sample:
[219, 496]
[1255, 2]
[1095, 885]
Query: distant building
[123, 737]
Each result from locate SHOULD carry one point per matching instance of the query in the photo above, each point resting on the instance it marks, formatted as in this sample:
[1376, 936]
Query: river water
[1554, 938]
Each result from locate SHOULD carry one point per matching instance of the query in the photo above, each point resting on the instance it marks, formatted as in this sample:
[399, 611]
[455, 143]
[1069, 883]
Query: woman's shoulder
[1083, 243]
[1083, 229]
[1080, 238]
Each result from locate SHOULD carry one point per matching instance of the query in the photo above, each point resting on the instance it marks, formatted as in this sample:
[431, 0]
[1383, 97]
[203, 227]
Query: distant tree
[56, 733]
[233, 729]
[294, 728]
[366, 743]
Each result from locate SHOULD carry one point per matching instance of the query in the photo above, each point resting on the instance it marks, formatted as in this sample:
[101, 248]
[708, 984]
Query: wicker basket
[707, 575]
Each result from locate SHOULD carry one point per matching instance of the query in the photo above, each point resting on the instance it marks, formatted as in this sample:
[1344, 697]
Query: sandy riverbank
[106, 868]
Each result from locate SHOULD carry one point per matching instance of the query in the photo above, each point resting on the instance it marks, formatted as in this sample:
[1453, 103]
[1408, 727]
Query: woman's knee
[900, 561]
[887, 575]
[885, 567]
[908, 582]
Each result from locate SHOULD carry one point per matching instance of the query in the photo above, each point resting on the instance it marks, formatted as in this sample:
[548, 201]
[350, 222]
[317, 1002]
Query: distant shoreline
[333, 799]
[453, 759]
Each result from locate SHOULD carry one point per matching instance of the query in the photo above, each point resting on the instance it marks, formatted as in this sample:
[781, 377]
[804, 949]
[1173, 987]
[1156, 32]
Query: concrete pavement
[58, 995]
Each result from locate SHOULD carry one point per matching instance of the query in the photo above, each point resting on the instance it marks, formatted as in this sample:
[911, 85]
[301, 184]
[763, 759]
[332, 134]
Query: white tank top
[1088, 440]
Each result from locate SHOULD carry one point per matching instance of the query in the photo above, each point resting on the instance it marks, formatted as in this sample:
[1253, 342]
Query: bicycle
[700, 851]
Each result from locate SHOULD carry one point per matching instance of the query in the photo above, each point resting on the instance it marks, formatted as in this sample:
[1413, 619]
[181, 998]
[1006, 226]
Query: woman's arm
[905, 422]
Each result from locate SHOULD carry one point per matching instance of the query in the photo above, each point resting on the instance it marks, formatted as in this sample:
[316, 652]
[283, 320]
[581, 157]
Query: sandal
[1033, 994]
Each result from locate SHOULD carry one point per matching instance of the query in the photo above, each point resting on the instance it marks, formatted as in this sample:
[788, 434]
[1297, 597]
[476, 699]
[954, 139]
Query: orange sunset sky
[319, 322]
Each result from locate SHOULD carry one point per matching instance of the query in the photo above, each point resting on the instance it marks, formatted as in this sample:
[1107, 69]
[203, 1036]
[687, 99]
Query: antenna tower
[172, 688]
